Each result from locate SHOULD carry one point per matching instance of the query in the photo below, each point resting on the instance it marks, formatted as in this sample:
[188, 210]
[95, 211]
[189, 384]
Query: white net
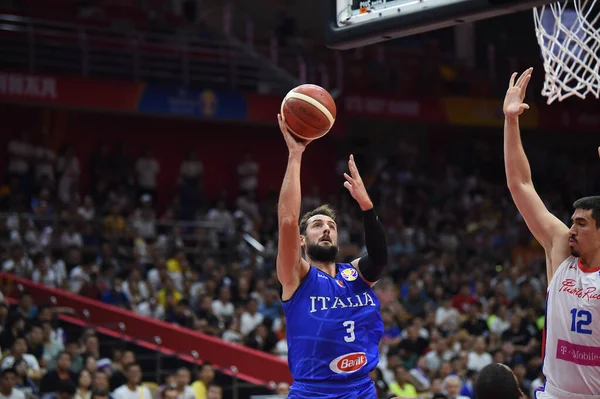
[568, 33]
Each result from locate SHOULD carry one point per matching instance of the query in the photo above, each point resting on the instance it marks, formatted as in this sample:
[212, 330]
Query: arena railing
[250, 365]
[45, 46]
[236, 24]
[151, 350]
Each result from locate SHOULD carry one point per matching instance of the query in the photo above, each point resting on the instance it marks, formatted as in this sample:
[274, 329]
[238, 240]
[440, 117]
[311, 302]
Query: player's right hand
[513, 102]
[294, 144]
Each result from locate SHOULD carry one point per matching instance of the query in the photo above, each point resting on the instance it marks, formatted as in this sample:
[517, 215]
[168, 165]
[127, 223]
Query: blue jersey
[333, 329]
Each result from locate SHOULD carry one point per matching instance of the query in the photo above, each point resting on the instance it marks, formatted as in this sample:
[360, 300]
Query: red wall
[220, 146]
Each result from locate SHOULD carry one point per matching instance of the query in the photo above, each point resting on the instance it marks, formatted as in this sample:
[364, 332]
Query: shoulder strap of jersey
[562, 268]
[306, 281]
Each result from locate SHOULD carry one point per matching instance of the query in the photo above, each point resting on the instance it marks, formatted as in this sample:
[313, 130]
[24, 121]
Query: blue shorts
[364, 389]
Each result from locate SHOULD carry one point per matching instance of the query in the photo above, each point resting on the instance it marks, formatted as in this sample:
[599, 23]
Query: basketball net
[570, 44]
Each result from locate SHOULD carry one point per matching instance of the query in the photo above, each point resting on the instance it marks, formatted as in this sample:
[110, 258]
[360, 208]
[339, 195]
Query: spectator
[183, 378]
[222, 307]
[68, 173]
[475, 325]
[42, 272]
[420, 375]
[23, 382]
[181, 314]
[8, 379]
[115, 295]
[118, 377]
[214, 392]
[402, 386]
[19, 351]
[168, 289]
[447, 317]
[20, 154]
[191, 169]
[147, 169]
[151, 308]
[15, 325]
[250, 318]
[463, 300]
[248, 174]
[84, 385]
[101, 383]
[452, 385]
[478, 358]
[18, 263]
[132, 389]
[206, 375]
[50, 381]
[35, 339]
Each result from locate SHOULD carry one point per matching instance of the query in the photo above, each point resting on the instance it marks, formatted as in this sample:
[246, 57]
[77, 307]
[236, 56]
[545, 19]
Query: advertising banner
[467, 111]
[207, 104]
[70, 91]
[426, 110]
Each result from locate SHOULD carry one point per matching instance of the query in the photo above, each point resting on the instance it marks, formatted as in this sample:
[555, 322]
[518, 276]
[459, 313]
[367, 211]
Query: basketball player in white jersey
[572, 334]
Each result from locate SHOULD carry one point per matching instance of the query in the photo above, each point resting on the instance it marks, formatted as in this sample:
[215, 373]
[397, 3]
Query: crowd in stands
[465, 285]
[40, 360]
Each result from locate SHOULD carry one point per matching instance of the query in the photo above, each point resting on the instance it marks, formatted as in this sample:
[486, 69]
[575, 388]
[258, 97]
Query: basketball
[309, 111]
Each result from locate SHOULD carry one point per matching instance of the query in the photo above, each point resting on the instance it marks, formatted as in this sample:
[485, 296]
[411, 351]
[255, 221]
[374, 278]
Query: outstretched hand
[355, 185]
[513, 102]
[294, 144]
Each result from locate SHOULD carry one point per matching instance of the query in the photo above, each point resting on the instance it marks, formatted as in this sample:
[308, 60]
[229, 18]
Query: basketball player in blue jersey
[333, 321]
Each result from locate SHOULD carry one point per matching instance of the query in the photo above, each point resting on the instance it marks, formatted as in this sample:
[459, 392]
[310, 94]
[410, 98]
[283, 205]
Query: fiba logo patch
[349, 274]
[208, 103]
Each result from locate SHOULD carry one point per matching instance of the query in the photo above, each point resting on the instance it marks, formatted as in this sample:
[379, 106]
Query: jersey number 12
[580, 319]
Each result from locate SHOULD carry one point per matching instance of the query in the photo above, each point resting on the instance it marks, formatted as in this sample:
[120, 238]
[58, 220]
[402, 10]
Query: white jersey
[572, 347]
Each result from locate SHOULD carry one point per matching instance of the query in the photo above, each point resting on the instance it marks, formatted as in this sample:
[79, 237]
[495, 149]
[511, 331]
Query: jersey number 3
[350, 330]
[580, 319]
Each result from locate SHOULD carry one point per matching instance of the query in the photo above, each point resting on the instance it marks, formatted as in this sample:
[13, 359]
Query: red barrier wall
[254, 366]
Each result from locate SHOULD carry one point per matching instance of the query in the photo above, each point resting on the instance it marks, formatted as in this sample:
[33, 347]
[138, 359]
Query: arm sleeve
[373, 264]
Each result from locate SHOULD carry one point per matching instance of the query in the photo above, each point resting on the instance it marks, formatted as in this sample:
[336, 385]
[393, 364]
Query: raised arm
[550, 232]
[291, 268]
[372, 265]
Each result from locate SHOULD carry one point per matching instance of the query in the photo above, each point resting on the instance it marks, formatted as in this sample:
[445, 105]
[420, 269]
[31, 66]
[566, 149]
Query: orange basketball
[309, 111]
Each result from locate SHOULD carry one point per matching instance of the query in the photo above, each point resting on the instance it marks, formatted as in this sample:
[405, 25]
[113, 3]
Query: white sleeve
[33, 363]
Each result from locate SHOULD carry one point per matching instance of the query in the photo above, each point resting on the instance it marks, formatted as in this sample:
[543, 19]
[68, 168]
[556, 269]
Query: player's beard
[321, 253]
[575, 252]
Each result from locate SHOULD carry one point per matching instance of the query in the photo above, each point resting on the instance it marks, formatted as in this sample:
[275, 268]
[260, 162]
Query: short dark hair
[326, 210]
[130, 366]
[496, 381]
[590, 203]
[167, 389]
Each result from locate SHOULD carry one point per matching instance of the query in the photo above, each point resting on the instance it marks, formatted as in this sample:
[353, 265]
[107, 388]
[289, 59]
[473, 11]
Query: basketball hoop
[570, 42]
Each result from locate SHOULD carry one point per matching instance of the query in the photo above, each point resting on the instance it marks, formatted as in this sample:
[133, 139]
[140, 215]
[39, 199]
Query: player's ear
[302, 240]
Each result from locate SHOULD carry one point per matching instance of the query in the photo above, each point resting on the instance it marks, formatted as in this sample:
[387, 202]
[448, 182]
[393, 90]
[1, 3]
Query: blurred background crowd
[465, 285]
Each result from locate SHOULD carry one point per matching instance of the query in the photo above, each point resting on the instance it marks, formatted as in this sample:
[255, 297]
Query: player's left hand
[355, 185]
